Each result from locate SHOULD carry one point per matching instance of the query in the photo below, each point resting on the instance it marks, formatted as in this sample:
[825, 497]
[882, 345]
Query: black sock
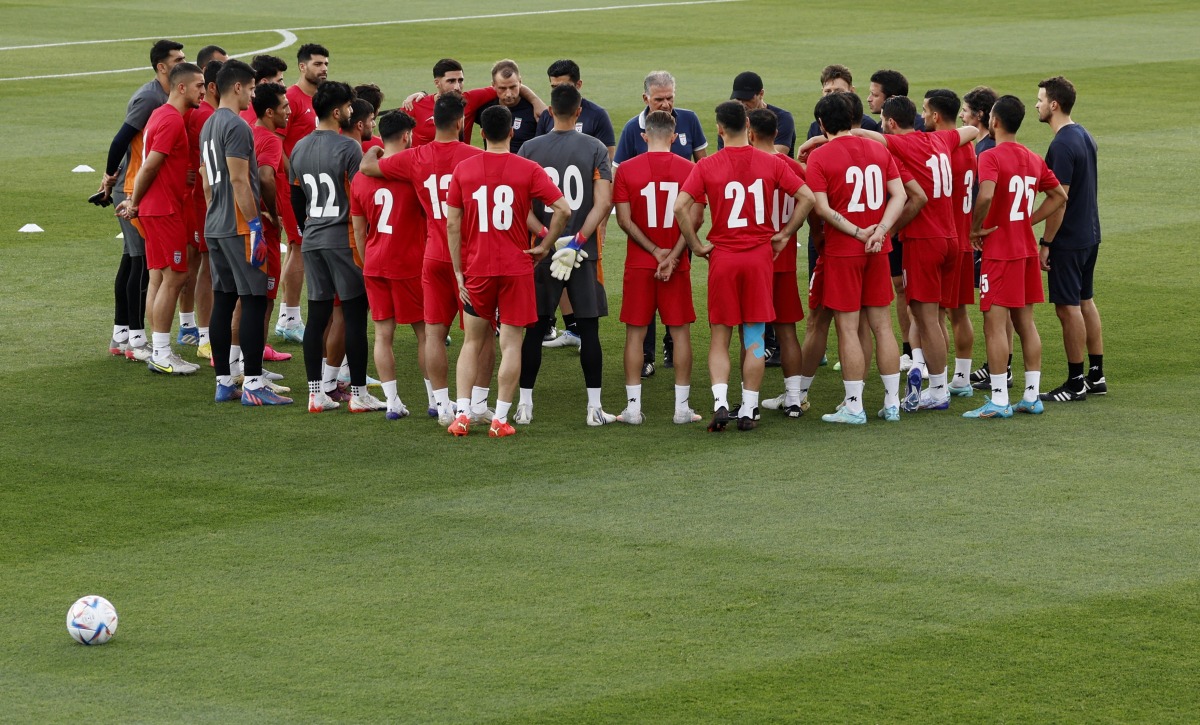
[354, 312]
[121, 292]
[135, 292]
[1075, 376]
[569, 323]
[1095, 367]
[648, 343]
[591, 359]
[319, 312]
[253, 336]
[907, 349]
[531, 351]
[220, 331]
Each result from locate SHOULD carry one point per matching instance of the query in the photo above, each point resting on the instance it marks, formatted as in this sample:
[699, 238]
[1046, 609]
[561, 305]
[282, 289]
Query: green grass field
[269, 565]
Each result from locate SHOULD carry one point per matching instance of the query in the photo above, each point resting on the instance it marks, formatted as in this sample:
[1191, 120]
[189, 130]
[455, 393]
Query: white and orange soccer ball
[92, 620]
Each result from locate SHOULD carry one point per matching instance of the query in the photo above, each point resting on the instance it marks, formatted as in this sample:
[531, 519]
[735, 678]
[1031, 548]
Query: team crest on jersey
[683, 139]
[516, 124]
[579, 127]
[178, 257]
[270, 283]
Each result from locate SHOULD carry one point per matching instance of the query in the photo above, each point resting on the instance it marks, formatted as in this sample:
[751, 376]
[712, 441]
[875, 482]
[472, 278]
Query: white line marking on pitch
[289, 38]
[365, 25]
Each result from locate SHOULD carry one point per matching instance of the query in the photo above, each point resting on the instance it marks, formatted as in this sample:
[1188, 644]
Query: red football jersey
[965, 168]
[166, 133]
[495, 193]
[1019, 175]
[737, 183]
[423, 113]
[303, 120]
[926, 156]
[649, 183]
[428, 170]
[395, 226]
[249, 116]
[268, 151]
[194, 120]
[853, 172]
[782, 206]
[372, 143]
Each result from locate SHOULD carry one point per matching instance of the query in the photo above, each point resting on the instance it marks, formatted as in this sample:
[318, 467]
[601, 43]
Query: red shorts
[852, 283]
[931, 270]
[513, 295]
[398, 299]
[1011, 283]
[641, 295]
[816, 284]
[196, 231]
[166, 242]
[966, 279]
[439, 292]
[786, 293]
[739, 286]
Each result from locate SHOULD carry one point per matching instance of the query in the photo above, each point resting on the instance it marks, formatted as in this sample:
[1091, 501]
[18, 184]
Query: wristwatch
[1043, 243]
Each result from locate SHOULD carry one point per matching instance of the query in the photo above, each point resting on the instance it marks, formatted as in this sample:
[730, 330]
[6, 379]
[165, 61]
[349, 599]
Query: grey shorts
[330, 272]
[135, 245]
[584, 289]
[230, 270]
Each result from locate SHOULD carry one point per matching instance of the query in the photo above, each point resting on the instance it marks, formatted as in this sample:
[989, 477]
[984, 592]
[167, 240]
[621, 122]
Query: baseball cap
[747, 85]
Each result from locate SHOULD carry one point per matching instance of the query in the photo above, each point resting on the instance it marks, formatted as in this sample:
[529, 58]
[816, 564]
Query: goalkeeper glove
[569, 256]
[258, 244]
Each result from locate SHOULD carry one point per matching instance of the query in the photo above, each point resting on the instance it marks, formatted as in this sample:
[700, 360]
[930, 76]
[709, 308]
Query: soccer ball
[92, 620]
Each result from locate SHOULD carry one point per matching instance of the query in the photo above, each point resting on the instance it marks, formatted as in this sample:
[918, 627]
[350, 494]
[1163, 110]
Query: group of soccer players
[397, 215]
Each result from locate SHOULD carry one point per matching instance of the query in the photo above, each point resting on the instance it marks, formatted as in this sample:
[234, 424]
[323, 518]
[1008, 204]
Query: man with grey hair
[658, 93]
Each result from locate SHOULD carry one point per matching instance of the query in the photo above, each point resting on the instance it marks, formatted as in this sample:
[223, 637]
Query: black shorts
[896, 257]
[332, 272]
[812, 258]
[1070, 275]
[584, 289]
[978, 256]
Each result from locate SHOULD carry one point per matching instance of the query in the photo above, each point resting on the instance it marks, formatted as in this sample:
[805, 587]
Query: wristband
[542, 234]
[255, 224]
[1043, 243]
[577, 241]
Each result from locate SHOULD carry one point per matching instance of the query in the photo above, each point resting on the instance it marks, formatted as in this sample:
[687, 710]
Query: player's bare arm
[872, 135]
[141, 183]
[539, 106]
[205, 186]
[370, 162]
[807, 147]
[891, 213]
[685, 218]
[359, 224]
[1054, 200]
[625, 222]
[601, 207]
[912, 205]
[243, 194]
[834, 219]
[804, 204]
[561, 214]
[454, 242]
[983, 204]
[266, 187]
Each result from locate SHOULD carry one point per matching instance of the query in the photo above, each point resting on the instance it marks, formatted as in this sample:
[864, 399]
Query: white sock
[502, 408]
[918, 357]
[441, 399]
[682, 393]
[464, 405]
[235, 360]
[389, 391]
[1033, 383]
[137, 338]
[357, 390]
[120, 333]
[314, 387]
[479, 397]
[293, 314]
[937, 386]
[162, 345]
[633, 395]
[805, 384]
[854, 389]
[527, 397]
[429, 393]
[226, 380]
[204, 339]
[962, 372]
[283, 311]
[720, 395]
[329, 377]
[187, 319]
[749, 403]
[791, 389]
[1000, 389]
[891, 390]
[254, 383]
[594, 398]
